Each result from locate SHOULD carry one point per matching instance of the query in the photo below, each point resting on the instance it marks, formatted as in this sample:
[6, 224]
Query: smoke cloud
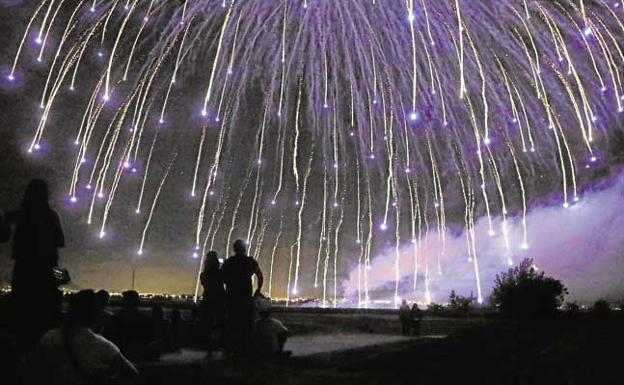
[582, 245]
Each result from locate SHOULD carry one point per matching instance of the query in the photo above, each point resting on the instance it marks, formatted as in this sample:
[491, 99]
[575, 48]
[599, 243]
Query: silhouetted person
[237, 272]
[130, 330]
[212, 306]
[102, 297]
[37, 237]
[405, 318]
[416, 316]
[74, 354]
[270, 336]
[5, 229]
[160, 337]
[178, 329]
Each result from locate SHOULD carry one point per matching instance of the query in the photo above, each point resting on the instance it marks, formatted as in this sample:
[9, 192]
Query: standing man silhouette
[237, 271]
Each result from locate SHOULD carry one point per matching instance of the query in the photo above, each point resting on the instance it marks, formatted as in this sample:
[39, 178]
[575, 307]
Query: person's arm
[223, 275]
[260, 277]
[59, 237]
[36, 368]
[5, 230]
[124, 368]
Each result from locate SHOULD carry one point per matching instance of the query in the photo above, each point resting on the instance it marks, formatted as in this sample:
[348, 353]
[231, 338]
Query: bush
[523, 292]
[601, 308]
[572, 307]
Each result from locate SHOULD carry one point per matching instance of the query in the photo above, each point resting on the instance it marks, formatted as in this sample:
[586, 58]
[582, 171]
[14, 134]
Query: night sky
[574, 235]
[91, 262]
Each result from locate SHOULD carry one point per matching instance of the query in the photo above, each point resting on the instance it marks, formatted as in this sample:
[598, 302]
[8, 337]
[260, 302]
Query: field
[569, 349]
[342, 346]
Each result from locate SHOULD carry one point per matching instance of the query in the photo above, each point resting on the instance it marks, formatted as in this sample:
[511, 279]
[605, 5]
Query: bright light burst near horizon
[373, 121]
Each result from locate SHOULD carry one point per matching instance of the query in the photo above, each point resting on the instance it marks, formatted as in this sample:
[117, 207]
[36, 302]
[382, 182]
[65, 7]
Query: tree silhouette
[524, 292]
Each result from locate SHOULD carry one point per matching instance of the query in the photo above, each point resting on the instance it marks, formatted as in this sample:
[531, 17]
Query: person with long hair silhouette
[37, 237]
[212, 306]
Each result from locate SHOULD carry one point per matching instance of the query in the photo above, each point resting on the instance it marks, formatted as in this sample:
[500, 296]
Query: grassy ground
[568, 350]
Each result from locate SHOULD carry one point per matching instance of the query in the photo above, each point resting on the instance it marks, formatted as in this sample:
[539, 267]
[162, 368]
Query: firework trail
[437, 112]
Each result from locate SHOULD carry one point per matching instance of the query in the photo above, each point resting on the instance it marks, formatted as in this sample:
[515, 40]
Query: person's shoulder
[12, 216]
[277, 324]
[275, 321]
[104, 344]
[54, 215]
[227, 261]
[51, 337]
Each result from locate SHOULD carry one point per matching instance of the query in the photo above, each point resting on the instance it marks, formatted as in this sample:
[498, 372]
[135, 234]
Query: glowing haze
[329, 132]
[582, 245]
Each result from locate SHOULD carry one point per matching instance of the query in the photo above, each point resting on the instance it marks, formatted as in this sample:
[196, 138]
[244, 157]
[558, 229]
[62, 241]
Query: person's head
[83, 309]
[129, 300]
[212, 261]
[239, 247]
[176, 316]
[194, 313]
[102, 297]
[35, 196]
[265, 313]
[263, 305]
[404, 303]
[157, 312]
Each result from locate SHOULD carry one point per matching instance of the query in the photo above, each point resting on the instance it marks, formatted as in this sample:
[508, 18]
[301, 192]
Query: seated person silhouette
[177, 330]
[102, 298]
[269, 335]
[74, 354]
[131, 330]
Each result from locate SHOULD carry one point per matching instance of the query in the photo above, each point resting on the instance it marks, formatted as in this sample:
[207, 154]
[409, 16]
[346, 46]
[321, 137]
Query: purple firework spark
[317, 122]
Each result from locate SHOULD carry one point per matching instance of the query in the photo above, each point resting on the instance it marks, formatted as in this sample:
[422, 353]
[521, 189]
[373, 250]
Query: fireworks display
[326, 132]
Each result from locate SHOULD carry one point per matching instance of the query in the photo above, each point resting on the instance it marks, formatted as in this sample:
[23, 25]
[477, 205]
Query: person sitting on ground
[416, 316]
[130, 329]
[178, 329]
[270, 335]
[74, 354]
[404, 318]
[102, 298]
[160, 339]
